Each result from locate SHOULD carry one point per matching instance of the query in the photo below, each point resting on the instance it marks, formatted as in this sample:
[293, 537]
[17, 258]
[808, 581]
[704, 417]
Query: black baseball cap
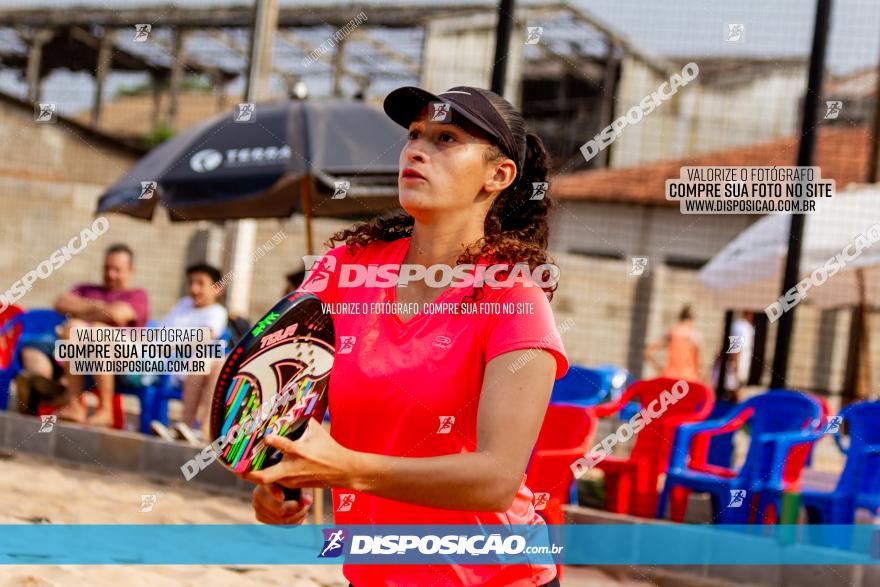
[404, 104]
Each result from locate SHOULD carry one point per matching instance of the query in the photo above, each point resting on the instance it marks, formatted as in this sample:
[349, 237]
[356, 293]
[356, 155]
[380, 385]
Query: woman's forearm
[465, 481]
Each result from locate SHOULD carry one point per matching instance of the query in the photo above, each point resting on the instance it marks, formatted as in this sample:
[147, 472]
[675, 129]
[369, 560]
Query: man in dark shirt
[112, 304]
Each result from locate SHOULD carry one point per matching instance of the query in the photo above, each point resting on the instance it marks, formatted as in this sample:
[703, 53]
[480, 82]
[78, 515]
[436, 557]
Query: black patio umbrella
[329, 157]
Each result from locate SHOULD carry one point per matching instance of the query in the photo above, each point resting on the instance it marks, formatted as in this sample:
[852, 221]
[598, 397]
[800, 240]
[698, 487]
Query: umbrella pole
[305, 194]
[857, 381]
[720, 389]
[863, 384]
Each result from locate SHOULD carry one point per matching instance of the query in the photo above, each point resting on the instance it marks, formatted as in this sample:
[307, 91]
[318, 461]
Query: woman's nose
[414, 152]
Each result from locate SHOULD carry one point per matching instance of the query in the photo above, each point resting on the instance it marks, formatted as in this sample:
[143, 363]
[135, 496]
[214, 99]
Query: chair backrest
[823, 403]
[580, 386]
[654, 443]
[39, 322]
[800, 456]
[862, 421]
[698, 398]
[8, 336]
[618, 378]
[783, 410]
[9, 313]
[775, 411]
[32, 325]
[565, 427]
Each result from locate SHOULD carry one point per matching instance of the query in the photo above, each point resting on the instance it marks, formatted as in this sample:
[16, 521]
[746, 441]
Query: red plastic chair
[801, 455]
[9, 338]
[631, 483]
[118, 409]
[566, 435]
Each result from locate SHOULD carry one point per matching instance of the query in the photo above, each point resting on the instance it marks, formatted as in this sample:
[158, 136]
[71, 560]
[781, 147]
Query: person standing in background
[739, 350]
[682, 343]
[743, 327]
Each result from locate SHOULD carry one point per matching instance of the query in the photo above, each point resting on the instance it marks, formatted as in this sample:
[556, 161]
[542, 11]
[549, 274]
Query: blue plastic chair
[40, 325]
[147, 397]
[168, 390]
[859, 482]
[618, 379]
[770, 416]
[36, 325]
[581, 387]
[721, 445]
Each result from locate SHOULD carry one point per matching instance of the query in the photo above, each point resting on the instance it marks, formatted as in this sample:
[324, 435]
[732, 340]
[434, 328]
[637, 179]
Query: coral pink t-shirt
[682, 353]
[394, 387]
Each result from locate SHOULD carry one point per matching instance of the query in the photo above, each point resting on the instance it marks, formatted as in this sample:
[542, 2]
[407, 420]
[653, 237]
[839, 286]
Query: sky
[773, 28]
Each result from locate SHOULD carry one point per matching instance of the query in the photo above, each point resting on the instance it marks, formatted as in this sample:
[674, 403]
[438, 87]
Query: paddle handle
[290, 494]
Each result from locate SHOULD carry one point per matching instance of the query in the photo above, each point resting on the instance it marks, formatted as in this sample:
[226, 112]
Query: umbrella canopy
[221, 169]
[747, 273]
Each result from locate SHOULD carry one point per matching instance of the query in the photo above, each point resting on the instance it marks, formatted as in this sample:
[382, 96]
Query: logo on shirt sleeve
[446, 423]
[346, 500]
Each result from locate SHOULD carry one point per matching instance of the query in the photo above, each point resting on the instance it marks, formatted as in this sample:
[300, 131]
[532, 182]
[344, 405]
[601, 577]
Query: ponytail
[525, 206]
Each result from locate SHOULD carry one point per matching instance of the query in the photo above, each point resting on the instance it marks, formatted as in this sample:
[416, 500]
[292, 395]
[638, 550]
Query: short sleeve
[171, 318]
[137, 299]
[217, 320]
[322, 274]
[526, 322]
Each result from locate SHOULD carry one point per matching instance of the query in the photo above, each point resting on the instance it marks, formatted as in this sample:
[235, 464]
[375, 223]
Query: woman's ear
[500, 176]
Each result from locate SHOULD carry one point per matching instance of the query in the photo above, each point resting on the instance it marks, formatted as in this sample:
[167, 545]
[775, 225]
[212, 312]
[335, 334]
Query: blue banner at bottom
[246, 544]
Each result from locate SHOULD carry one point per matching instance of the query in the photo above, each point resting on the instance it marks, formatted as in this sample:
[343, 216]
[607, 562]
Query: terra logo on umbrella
[211, 159]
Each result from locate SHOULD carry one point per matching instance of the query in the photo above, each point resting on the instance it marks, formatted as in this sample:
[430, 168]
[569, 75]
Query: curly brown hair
[516, 228]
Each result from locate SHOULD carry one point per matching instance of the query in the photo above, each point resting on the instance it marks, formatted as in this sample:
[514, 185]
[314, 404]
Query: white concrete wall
[704, 119]
[460, 51]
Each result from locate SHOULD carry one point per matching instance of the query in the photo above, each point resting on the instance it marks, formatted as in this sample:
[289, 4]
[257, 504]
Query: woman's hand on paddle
[313, 460]
[270, 507]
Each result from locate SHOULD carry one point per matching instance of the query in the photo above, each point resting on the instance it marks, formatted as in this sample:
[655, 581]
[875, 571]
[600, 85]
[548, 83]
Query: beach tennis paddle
[272, 382]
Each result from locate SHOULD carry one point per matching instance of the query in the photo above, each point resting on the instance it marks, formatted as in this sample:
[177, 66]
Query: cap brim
[404, 104]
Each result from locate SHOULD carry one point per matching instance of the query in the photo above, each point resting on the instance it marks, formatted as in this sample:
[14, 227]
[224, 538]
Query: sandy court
[38, 490]
[68, 495]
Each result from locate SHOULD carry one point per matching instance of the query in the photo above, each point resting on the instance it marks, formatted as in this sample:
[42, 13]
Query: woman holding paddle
[435, 415]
